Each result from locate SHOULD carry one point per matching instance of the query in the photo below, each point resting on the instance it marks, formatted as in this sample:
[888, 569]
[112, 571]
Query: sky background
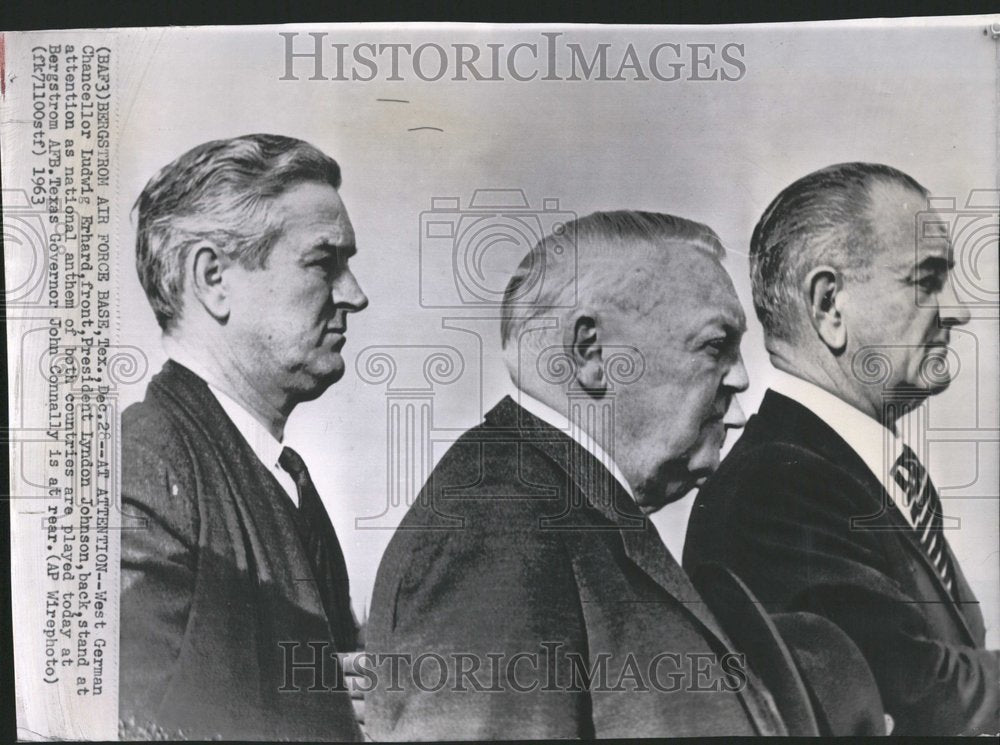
[920, 96]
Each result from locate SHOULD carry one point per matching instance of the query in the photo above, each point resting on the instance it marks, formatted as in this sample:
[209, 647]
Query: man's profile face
[288, 318]
[904, 305]
[671, 421]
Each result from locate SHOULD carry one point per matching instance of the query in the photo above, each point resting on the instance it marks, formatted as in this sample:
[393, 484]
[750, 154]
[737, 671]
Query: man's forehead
[721, 308]
[907, 227]
[316, 211]
[933, 232]
[927, 236]
[707, 295]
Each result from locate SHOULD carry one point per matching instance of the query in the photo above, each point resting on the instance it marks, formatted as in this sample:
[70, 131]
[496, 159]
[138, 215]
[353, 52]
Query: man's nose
[735, 418]
[347, 293]
[953, 312]
[736, 377]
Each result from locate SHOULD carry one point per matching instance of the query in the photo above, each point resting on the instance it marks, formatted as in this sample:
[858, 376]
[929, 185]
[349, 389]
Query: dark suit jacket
[779, 511]
[215, 580]
[520, 538]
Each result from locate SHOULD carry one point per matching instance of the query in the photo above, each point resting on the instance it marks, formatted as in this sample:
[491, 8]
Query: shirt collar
[554, 418]
[261, 441]
[263, 444]
[878, 446]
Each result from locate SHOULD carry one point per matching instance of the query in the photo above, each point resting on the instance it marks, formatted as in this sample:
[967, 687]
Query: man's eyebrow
[936, 263]
[730, 324]
[328, 244]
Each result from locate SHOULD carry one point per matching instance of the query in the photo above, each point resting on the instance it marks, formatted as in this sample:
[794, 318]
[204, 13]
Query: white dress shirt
[550, 416]
[263, 444]
[265, 447]
[878, 446]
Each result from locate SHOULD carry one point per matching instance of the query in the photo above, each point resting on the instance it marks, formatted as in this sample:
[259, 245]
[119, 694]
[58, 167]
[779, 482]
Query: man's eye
[330, 265]
[931, 283]
[716, 346]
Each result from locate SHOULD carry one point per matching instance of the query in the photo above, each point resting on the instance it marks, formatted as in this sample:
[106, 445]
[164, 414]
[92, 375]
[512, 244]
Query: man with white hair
[235, 573]
[825, 503]
[525, 594]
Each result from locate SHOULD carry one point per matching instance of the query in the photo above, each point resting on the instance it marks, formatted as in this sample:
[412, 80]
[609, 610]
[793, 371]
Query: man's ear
[207, 265]
[824, 295]
[588, 360]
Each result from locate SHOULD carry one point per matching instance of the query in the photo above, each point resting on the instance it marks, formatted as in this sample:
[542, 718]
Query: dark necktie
[925, 509]
[323, 551]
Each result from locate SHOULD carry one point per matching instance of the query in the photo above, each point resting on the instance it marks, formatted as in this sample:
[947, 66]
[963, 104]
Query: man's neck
[225, 375]
[549, 405]
[831, 382]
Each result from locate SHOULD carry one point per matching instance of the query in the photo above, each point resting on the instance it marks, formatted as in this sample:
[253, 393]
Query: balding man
[235, 573]
[525, 594]
[823, 505]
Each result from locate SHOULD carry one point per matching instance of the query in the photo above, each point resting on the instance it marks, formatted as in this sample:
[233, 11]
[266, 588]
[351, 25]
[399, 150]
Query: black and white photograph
[459, 382]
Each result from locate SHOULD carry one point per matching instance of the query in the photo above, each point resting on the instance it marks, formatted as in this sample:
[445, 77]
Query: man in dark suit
[825, 503]
[232, 575]
[525, 594]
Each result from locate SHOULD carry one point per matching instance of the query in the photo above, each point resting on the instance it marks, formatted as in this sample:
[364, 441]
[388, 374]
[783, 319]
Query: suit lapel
[605, 495]
[961, 585]
[800, 424]
[963, 592]
[254, 491]
[642, 543]
[967, 604]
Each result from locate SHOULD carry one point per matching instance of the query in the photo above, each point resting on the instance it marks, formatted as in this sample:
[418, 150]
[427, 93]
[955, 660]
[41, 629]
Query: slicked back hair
[823, 218]
[562, 274]
[219, 192]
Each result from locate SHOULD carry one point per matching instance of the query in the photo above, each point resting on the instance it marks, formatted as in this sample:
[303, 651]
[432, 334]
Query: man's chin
[320, 381]
[934, 390]
[654, 498]
[917, 392]
[935, 372]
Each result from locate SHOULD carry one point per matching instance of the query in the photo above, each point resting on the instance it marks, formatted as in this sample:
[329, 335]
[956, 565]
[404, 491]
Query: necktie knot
[908, 470]
[294, 465]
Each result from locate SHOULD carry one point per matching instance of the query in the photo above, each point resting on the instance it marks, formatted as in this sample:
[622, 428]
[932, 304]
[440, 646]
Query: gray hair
[220, 192]
[821, 218]
[550, 276]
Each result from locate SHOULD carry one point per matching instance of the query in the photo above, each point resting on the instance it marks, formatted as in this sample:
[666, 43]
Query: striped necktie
[925, 510]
